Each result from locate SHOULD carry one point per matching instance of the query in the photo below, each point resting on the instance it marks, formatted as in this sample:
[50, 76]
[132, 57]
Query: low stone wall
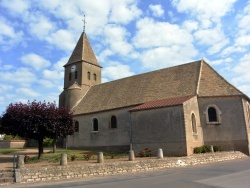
[101, 169]
[13, 143]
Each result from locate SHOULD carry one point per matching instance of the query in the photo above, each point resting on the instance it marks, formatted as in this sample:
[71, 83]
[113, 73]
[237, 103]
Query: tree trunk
[54, 145]
[40, 149]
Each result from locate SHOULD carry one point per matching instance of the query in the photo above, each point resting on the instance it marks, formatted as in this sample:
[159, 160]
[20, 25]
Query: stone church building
[176, 108]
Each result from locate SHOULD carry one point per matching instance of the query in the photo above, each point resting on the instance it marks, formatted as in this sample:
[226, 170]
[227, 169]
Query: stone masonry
[102, 169]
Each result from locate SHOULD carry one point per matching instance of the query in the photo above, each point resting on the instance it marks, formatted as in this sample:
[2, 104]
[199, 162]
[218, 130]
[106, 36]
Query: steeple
[83, 52]
[81, 72]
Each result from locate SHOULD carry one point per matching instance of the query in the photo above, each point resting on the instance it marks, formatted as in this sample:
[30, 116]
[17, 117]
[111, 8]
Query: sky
[128, 37]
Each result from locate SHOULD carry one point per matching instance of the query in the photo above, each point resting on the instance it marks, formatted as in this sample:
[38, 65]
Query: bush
[217, 148]
[48, 142]
[73, 157]
[206, 149]
[87, 156]
[10, 137]
[145, 153]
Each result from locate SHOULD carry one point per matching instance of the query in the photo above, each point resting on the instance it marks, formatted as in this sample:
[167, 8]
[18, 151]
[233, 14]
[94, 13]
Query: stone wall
[13, 143]
[100, 169]
[230, 133]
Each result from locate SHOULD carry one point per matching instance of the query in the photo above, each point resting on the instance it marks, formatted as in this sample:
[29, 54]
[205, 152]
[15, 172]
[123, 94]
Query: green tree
[37, 120]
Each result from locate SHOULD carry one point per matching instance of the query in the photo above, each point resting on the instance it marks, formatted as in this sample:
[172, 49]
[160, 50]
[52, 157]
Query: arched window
[212, 114]
[76, 126]
[88, 75]
[69, 76]
[95, 77]
[194, 128]
[113, 123]
[95, 124]
[76, 75]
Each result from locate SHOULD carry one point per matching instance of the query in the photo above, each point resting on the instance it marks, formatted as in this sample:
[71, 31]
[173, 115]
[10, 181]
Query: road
[230, 174]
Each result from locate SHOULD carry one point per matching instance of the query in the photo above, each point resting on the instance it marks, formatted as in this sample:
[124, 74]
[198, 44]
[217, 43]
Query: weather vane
[84, 22]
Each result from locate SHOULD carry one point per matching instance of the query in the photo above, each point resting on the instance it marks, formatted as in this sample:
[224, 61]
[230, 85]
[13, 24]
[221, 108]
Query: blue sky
[128, 36]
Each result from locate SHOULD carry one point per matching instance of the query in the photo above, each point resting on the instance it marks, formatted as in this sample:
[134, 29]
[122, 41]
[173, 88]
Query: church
[176, 108]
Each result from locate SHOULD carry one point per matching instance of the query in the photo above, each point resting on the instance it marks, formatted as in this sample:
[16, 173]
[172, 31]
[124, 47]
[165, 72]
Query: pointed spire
[83, 52]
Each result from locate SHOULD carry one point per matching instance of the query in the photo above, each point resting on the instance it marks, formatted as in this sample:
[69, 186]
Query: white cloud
[5, 87]
[62, 39]
[243, 65]
[41, 26]
[124, 11]
[46, 83]
[8, 36]
[53, 75]
[116, 38]
[116, 71]
[190, 25]
[242, 70]
[22, 76]
[27, 92]
[221, 61]
[15, 7]
[35, 61]
[206, 11]
[214, 38]
[232, 49]
[243, 40]
[167, 34]
[162, 57]
[157, 10]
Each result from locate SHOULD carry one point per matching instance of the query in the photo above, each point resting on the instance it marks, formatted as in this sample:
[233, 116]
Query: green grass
[55, 157]
[7, 151]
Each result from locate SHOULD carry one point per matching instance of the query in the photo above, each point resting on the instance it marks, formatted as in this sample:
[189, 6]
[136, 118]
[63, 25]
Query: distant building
[176, 108]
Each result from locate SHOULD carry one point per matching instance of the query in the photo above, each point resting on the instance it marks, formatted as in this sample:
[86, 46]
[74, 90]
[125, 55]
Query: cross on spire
[84, 22]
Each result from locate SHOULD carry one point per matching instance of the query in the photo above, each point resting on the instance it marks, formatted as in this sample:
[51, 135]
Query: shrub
[73, 157]
[206, 149]
[28, 159]
[217, 148]
[10, 137]
[87, 156]
[145, 153]
[48, 142]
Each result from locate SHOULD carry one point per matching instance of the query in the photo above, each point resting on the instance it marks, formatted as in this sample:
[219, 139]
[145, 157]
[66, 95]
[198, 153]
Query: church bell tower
[81, 72]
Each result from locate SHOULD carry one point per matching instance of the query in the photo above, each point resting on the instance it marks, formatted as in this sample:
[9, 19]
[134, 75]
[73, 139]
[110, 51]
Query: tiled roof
[195, 78]
[162, 103]
[213, 84]
[173, 82]
[83, 52]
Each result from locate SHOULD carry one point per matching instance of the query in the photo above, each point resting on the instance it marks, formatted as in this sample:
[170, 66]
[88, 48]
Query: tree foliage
[37, 120]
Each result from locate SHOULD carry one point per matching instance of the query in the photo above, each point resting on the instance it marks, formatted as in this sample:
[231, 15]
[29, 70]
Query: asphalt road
[230, 174]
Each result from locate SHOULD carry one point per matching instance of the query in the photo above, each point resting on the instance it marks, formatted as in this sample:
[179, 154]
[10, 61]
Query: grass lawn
[75, 155]
[7, 151]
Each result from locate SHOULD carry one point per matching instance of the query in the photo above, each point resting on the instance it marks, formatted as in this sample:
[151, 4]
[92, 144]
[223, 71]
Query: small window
[113, 122]
[76, 126]
[69, 76]
[76, 75]
[95, 124]
[212, 114]
[95, 77]
[88, 75]
[194, 128]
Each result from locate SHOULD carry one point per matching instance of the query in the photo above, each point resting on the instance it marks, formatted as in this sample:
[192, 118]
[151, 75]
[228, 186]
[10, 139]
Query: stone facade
[96, 169]
[176, 108]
